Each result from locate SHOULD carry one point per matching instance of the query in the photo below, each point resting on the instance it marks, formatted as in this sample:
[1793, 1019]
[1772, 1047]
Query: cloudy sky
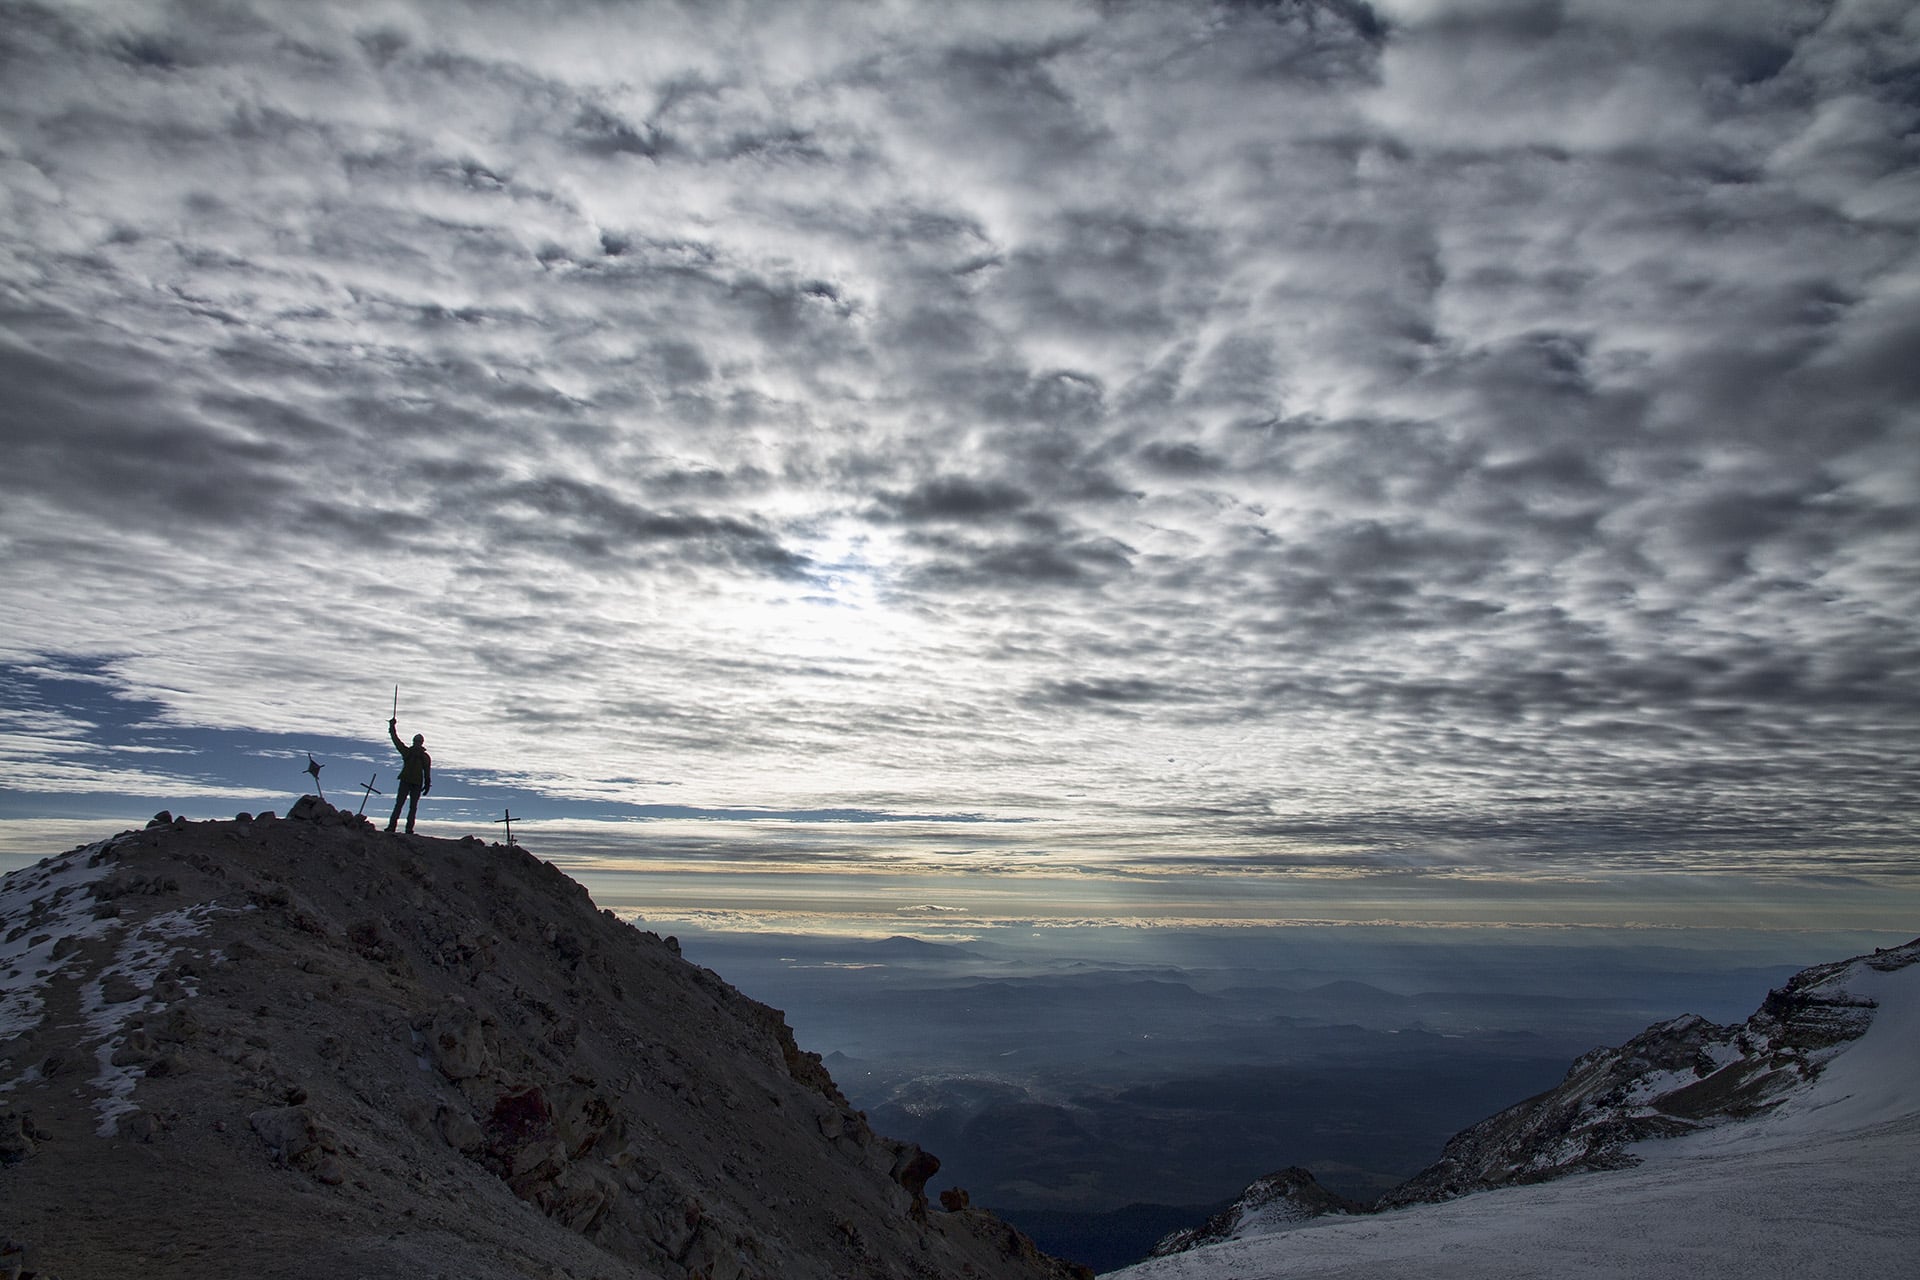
[1447, 434]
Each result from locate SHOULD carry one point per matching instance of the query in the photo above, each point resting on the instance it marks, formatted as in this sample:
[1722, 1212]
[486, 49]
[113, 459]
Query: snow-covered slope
[1825, 1183]
[1675, 1077]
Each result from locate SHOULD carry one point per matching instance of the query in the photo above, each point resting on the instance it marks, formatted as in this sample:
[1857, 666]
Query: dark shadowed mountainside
[296, 1047]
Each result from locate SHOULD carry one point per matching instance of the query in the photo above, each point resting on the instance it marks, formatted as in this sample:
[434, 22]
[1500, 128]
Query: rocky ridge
[299, 1047]
[1272, 1203]
[1675, 1077]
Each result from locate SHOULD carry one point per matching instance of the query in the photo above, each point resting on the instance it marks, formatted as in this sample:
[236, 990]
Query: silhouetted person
[416, 775]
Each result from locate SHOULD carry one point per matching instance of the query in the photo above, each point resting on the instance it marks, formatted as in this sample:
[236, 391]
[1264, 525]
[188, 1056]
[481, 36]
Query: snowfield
[1827, 1184]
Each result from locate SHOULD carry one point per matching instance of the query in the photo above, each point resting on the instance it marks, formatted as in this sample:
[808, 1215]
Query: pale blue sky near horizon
[1453, 457]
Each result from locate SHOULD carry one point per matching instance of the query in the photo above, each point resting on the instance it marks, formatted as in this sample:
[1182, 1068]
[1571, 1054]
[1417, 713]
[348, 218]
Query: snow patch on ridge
[45, 912]
[40, 907]
[142, 955]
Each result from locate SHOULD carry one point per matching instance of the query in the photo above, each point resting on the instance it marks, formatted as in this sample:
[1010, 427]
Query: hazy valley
[1100, 1087]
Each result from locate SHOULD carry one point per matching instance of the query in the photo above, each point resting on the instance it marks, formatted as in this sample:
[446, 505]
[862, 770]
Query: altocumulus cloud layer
[1456, 430]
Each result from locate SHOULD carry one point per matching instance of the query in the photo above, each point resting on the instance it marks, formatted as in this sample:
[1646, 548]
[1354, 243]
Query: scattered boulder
[912, 1167]
[460, 1043]
[580, 1117]
[579, 1196]
[311, 809]
[16, 1138]
[137, 1048]
[375, 941]
[118, 988]
[296, 1135]
[459, 1130]
[713, 1252]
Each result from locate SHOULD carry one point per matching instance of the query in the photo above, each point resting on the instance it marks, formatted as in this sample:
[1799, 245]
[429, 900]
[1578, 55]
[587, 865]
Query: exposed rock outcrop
[401, 1055]
[1272, 1203]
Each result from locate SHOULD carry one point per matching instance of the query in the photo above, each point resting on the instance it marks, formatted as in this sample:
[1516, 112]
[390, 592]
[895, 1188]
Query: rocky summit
[298, 1047]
